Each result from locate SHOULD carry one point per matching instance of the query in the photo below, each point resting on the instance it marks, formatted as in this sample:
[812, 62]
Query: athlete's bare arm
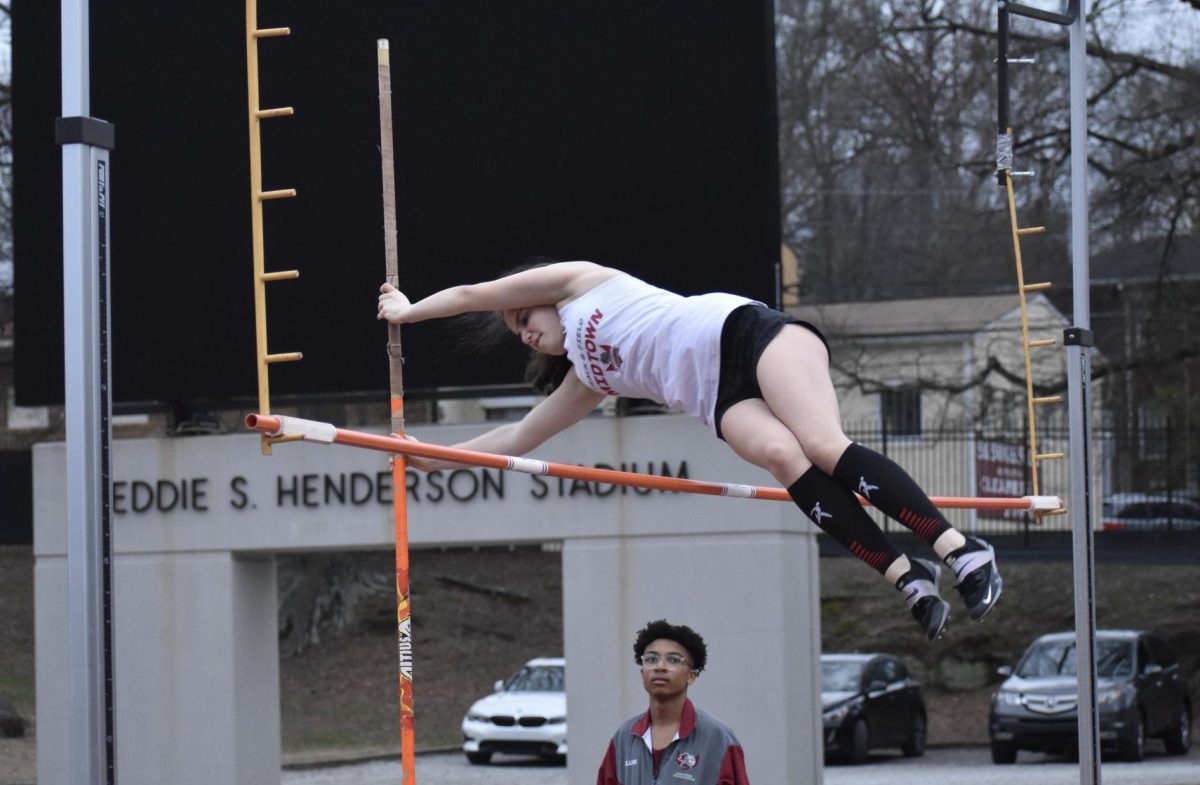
[553, 284]
[567, 405]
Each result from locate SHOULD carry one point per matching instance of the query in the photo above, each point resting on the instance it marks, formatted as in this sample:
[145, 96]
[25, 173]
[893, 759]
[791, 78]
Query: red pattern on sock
[875, 559]
[925, 526]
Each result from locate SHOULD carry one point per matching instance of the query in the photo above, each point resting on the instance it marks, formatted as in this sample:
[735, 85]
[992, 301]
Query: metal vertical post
[1003, 130]
[883, 448]
[1079, 342]
[87, 399]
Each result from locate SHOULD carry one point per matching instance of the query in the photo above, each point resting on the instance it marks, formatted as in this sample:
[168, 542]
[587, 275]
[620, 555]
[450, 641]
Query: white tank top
[628, 338]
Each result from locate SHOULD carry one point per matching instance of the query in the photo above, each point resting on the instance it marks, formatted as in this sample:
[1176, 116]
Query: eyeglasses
[672, 660]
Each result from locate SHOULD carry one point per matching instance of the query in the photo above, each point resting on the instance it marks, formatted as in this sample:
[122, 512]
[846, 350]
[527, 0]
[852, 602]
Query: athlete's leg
[757, 435]
[793, 374]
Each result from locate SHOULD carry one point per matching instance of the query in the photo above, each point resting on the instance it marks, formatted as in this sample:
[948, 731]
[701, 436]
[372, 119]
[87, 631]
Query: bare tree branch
[1094, 49]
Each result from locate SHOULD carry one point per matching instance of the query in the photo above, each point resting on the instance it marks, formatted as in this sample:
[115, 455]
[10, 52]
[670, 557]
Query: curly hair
[680, 633]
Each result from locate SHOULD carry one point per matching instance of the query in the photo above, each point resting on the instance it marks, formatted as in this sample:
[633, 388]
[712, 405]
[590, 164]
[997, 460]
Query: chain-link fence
[1144, 479]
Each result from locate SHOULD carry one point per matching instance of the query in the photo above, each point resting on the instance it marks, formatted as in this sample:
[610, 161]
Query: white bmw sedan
[526, 715]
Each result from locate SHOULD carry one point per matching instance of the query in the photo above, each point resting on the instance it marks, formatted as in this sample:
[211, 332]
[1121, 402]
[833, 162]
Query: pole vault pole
[396, 386]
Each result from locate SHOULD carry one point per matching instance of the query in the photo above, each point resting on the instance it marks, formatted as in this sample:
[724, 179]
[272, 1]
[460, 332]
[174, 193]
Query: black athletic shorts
[744, 336]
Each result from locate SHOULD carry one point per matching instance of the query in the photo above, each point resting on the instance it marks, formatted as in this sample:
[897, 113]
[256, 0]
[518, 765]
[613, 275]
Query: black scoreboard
[636, 134]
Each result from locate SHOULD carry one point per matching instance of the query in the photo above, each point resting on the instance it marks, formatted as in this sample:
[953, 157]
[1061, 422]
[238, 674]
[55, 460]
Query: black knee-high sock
[838, 513]
[889, 488]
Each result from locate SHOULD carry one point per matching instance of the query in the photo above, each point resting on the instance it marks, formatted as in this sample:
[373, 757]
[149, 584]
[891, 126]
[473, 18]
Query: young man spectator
[672, 741]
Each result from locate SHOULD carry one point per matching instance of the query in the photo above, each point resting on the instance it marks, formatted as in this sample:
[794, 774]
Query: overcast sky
[1166, 29]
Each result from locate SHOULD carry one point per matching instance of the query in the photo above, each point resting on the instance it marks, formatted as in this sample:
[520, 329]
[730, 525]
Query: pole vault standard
[396, 384]
[87, 399]
[324, 433]
[1079, 342]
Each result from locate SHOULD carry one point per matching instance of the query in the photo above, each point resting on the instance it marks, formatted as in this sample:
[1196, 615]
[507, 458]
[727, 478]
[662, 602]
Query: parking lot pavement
[954, 764]
[435, 769]
[974, 765]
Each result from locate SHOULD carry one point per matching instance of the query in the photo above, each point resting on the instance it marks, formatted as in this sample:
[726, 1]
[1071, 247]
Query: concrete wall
[752, 597]
[196, 521]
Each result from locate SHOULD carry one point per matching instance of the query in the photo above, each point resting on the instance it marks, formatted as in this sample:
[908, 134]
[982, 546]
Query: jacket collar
[687, 722]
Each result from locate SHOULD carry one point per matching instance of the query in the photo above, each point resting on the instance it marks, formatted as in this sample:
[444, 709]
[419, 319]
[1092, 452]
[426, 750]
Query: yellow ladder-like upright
[257, 197]
[1032, 401]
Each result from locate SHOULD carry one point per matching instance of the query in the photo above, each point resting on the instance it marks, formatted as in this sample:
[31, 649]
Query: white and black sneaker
[919, 587]
[979, 581]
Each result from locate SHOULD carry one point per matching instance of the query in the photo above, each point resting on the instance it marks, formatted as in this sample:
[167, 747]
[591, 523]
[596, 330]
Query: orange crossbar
[328, 434]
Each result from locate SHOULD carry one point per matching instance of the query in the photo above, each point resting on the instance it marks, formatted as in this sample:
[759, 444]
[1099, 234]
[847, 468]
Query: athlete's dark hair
[486, 329]
[544, 372]
[680, 633]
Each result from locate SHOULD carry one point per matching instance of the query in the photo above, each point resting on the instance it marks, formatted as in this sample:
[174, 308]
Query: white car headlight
[1008, 698]
[1111, 698]
[838, 716]
[472, 717]
[556, 720]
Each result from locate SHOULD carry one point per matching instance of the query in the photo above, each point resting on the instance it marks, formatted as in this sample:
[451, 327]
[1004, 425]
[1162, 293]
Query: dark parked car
[870, 701]
[1149, 511]
[1140, 694]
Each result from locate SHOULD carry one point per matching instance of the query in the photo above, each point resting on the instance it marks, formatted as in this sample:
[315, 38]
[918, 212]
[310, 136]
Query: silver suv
[1140, 694]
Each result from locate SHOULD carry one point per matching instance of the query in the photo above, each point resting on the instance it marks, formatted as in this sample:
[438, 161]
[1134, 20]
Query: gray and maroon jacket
[704, 752]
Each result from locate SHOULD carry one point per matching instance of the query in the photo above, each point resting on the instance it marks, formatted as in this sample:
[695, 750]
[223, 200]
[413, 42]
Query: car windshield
[840, 676]
[1057, 658]
[536, 679]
